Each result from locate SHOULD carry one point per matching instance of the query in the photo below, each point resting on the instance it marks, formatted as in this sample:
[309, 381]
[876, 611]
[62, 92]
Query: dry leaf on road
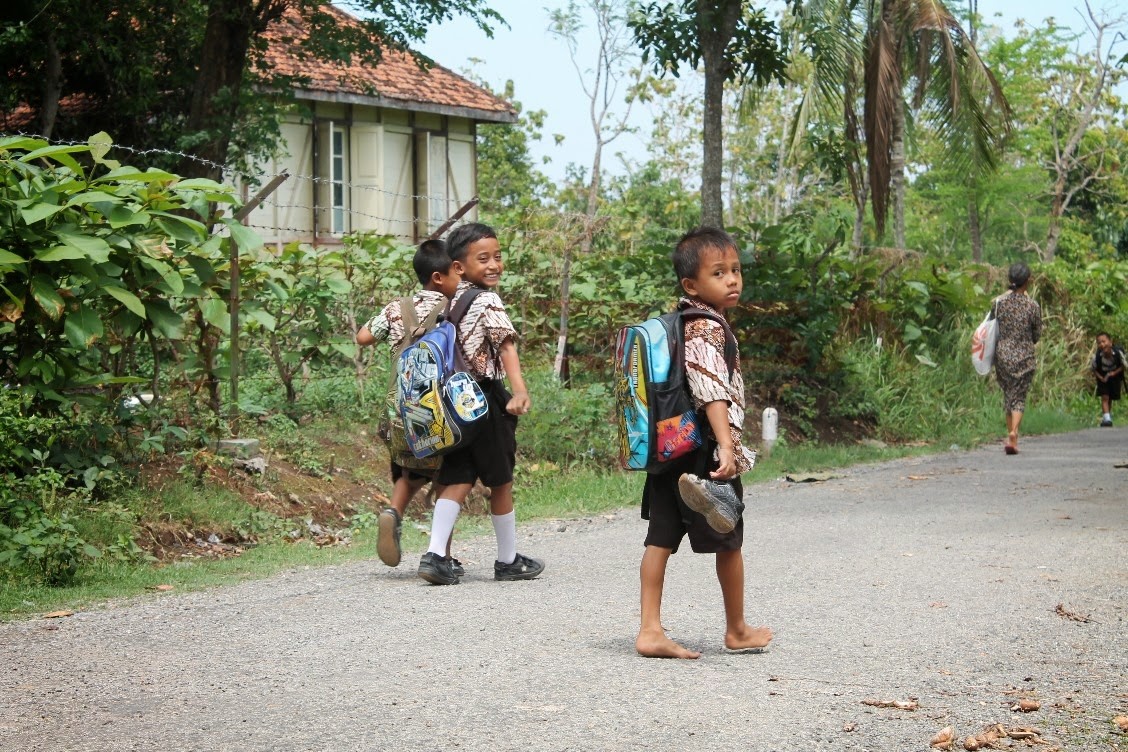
[58, 614]
[1065, 613]
[1121, 722]
[1026, 706]
[943, 739]
[910, 704]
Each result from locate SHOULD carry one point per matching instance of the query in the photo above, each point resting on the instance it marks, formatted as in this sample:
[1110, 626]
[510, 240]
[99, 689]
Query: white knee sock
[442, 525]
[505, 528]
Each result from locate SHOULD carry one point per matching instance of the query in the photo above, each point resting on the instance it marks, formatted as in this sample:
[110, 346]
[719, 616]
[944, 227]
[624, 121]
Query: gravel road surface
[959, 580]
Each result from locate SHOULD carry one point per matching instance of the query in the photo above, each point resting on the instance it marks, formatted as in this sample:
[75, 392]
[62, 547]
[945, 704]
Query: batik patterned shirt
[707, 374]
[388, 323]
[481, 333]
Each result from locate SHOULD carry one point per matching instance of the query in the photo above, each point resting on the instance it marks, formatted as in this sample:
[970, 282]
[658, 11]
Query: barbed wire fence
[298, 207]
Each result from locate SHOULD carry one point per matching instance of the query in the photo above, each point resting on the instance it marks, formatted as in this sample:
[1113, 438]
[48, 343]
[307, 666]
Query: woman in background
[1020, 328]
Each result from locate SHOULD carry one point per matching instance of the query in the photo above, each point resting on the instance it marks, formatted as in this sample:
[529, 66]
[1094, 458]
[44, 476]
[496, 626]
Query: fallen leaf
[58, 614]
[1065, 613]
[1121, 722]
[1027, 706]
[938, 604]
[1023, 732]
[917, 477]
[910, 704]
[943, 738]
[971, 743]
[162, 588]
[850, 727]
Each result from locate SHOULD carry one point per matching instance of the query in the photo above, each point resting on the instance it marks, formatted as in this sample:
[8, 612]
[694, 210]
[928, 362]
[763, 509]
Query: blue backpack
[442, 406]
[655, 413]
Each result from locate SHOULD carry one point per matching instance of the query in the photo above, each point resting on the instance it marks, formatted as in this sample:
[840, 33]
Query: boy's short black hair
[687, 253]
[461, 237]
[1106, 335]
[430, 257]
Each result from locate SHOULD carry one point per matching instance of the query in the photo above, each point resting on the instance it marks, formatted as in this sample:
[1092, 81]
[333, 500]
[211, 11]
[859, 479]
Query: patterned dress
[1020, 328]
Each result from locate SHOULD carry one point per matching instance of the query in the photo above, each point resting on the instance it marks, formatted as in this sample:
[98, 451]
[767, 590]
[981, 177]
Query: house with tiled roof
[387, 148]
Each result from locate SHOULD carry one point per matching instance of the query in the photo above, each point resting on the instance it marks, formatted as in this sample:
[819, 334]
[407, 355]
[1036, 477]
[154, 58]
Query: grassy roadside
[544, 492]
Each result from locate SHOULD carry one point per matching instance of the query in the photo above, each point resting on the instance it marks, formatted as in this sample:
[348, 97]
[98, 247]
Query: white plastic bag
[983, 343]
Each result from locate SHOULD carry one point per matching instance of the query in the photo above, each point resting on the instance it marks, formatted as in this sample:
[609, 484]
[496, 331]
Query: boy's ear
[456, 267]
[437, 278]
[690, 286]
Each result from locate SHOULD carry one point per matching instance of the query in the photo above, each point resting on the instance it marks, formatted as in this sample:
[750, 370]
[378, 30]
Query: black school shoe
[456, 567]
[522, 568]
[717, 501]
[437, 570]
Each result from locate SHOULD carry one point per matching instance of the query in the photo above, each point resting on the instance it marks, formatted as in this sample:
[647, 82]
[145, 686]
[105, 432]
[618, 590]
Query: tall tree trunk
[716, 25]
[897, 175]
[560, 366]
[1057, 210]
[52, 87]
[215, 96]
[973, 228]
[859, 226]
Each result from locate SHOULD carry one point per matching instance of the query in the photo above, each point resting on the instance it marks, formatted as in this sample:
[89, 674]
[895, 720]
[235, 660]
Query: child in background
[432, 266]
[682, 501]
[1108, 368]
[487, 340]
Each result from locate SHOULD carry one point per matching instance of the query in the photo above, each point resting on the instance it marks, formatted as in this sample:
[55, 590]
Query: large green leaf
[60, 154]
[123, 216]
[82, 327]
[92, 247]
[127, 299]
[46, 294]
[39, 211]
[264, 318]
[215, 313]
[246, 238]
[170, 276]
[8, 258]
[61, 253]
[165, 320]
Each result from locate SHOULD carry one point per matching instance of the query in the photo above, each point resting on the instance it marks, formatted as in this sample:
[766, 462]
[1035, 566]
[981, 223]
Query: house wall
[355, 168]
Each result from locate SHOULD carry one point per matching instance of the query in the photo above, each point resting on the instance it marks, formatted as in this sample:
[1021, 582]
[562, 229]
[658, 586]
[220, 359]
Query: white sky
[545, 79]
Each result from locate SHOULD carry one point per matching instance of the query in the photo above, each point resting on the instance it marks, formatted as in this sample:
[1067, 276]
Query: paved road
[935, 578]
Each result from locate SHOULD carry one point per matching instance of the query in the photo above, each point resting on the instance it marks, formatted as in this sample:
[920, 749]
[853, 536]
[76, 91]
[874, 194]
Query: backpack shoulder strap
[454, 314]
[410, 322]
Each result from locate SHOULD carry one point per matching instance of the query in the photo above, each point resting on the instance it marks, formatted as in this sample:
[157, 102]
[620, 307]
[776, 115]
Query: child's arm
[519, 404]
[374, 331]
[717, 414]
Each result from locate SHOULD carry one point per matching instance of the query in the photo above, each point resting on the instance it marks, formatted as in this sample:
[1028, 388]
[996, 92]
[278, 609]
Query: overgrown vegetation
[110, 285]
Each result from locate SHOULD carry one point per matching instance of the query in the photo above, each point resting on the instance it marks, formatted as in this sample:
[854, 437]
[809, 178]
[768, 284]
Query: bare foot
[1012, 439]
[657, 645]
[748, 638]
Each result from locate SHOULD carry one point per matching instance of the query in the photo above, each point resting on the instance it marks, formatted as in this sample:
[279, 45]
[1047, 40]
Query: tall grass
[947, 402]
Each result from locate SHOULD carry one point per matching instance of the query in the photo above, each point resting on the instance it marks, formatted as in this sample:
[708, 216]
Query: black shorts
[414, 475]
[671, 520]
[1110, 388]
[492, 455]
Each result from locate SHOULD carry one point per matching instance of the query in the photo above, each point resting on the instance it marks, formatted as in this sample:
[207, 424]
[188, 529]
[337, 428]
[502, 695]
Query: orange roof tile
[397, 81]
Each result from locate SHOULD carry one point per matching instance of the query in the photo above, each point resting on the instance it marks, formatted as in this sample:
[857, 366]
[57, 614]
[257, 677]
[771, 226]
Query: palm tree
[912, 55]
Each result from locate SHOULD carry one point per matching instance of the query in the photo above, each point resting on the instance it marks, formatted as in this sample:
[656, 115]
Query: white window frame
[338, 165]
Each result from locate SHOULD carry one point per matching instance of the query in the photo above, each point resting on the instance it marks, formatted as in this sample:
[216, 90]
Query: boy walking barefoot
[683, 501]
[432, 266]
[486, 338]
